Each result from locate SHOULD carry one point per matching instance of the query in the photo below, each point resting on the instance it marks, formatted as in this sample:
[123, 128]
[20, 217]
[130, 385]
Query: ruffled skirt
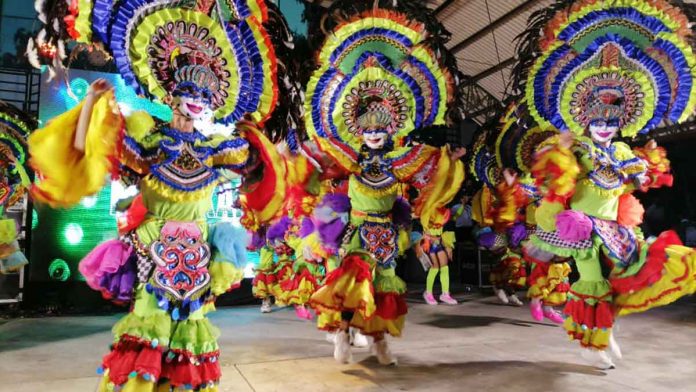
[375, 296]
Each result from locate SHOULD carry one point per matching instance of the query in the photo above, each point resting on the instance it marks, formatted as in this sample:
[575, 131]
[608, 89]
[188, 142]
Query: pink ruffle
[106, 269]
[573, 226]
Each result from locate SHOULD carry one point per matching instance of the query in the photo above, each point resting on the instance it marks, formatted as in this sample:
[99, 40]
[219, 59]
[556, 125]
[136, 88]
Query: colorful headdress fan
[483, 166]
[15, 127]
[625, 61]
[518, 140]
[377, 70]
[221, 45]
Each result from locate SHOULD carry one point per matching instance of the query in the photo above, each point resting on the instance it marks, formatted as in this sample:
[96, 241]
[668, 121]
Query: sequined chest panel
[184, 165]
[376, 171]
[606, 169]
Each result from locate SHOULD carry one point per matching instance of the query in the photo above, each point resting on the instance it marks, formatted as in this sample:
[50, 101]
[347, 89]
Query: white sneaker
[605, 361]
[358, 339]
[502, 296]
[342, 352]
[515, 301]
[598, 358]
[383, 353]
[266, 305]
[614, 347]
[331, 337]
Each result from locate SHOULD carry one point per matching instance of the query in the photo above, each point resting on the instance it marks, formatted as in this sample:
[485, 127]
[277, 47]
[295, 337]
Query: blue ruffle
[649, 23]
[684, 79]
[541, 98]
[242, 8]
[101, 18]
[371, 34]
[245, 75]
[126, 12]
[435, 104]
[319, 92]
[253, 90]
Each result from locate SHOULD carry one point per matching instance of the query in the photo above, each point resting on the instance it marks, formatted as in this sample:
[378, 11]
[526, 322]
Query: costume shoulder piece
[378, 68]
[15, 127]
[624, 59]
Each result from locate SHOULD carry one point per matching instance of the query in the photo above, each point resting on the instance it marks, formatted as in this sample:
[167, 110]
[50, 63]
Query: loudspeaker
[465, 132]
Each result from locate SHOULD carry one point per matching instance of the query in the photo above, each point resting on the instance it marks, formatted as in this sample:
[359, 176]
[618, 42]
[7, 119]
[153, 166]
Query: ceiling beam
[495, 24]
[490, 71]
[442, 7]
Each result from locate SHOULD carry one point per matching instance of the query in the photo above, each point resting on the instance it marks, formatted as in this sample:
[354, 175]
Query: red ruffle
[600, 315]
[651, 271]
[540, 270]
[562, 287]
[353, 264]
[265, 278]
[294, 283]
[132, 356]
[390, 306]
[261, 193]
[133, 217]
[180, 371]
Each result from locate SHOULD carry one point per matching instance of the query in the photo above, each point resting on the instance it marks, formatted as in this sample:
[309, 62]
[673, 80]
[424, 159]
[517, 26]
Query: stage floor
[476, 346]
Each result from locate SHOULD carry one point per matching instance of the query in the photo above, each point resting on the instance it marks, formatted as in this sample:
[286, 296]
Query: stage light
[73, 233]
[79, 87]
[89, 202]
[34, 219]
[59, 270]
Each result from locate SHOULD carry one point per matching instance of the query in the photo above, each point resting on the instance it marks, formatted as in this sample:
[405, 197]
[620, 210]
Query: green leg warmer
[444, 278]
[430, 281]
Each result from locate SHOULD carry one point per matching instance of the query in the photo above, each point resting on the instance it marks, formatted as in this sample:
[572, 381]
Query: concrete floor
[476, 346]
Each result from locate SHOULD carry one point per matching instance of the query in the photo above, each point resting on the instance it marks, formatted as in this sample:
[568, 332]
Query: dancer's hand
[510, 176]
[96, 89]
[566, 140]
[458, 153]
[99, 87]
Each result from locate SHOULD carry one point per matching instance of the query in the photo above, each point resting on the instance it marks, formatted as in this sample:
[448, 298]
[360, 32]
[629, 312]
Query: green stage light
[79, 87]
[34, 219]
[59, 270]
[73, 233]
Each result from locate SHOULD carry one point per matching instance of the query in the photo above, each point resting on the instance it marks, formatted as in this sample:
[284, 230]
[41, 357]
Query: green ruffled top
[606, 174]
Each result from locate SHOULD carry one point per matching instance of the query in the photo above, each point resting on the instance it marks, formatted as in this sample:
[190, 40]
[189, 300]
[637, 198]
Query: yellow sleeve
[440, 187]
[229, 153]
[65, 174]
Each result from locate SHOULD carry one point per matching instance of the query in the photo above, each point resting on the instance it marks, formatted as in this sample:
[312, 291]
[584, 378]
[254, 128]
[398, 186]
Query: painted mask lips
[604, 134]
[194, 108]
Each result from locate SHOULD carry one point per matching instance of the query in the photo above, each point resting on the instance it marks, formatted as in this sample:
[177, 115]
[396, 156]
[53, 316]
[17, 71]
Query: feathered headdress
[15, 127]
[219, 45]
[378, 68]
[628, 61]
